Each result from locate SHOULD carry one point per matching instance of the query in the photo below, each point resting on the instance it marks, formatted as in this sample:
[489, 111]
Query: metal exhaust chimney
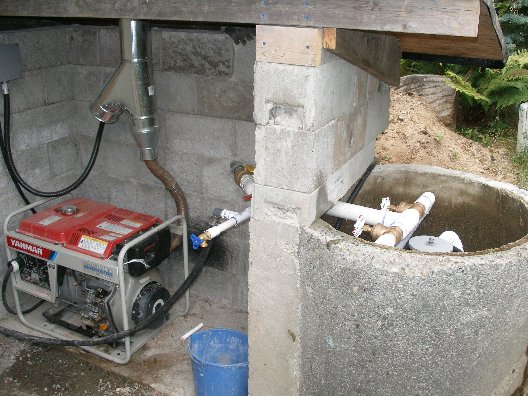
[131, 88]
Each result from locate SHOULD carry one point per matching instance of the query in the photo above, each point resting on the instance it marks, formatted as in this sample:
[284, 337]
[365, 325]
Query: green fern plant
[468, 92]
[496, 89]
[509, 86]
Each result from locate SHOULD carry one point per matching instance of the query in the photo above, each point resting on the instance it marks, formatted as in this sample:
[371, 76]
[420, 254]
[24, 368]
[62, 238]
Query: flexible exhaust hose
[160, 313]
[175, 190]
[22, 182]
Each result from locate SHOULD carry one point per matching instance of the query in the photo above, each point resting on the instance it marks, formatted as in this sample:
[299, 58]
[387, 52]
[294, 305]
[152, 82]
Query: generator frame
[122, 353]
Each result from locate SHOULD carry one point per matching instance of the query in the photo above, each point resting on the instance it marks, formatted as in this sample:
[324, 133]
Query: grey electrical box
[10, 65]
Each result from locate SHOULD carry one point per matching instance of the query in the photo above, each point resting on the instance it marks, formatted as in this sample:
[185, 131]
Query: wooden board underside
[377, 53]
[487, 45]
[289, 45]
[440, 17]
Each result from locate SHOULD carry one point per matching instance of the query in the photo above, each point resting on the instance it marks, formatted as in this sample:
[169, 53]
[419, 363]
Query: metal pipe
[131, 88]
[243, 177]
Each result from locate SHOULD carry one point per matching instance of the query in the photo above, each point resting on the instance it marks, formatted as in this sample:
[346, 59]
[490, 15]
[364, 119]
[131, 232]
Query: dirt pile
[415, 136]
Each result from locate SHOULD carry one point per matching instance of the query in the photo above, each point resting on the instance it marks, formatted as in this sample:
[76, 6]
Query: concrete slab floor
[161, 367]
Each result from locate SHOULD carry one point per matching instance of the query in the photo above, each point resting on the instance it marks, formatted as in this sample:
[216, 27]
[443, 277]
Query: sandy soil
[416, 136]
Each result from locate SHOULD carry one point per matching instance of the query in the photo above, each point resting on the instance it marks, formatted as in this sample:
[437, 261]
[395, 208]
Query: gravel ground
[56, 372]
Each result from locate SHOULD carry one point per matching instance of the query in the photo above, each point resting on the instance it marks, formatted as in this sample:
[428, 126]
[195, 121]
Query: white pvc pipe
[238, 218]
[408, 222]
[191, 332]
[352, 212]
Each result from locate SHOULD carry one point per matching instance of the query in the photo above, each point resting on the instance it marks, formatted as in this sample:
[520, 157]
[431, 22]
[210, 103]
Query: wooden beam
[377, 53]
[293, 46]
[440, 17]
[489, 43]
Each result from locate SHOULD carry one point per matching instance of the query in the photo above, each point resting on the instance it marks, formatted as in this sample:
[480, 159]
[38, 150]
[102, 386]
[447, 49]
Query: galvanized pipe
[131, 88]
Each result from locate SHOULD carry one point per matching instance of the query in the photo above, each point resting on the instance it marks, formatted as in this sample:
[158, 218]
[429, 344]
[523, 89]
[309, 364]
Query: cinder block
[122, 193]
[36, 127]
[212, 137]
[9, 203]
[27, 93]
[57, 182]
[83, 46]
[152, 200]
[361, 89]
[225, 98]
[349, 135]
[187, 170]
[156, 48]
[245, 141]
[218, 181]
[298, 208]
[6, 185]
[274, 315]
[323, 93]
[41, 48]
[293, 159]
[378, 112]
[244, 61]
[64, 156]
[342, 179]
[109, 46]
[287, 206]
[372, 86]
[209, 54]
[87, 82]
[95, 187]
[231, 255]
[33, 165]
[176, 92]
[58, 84]
[120, 160]
[215, 284]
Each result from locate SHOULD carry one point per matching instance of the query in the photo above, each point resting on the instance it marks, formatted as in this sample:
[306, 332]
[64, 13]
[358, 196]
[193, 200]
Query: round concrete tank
[387, 321]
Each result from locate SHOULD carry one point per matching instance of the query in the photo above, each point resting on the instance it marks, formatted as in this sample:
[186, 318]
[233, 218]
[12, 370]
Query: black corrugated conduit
[18, 180]
[356, 190]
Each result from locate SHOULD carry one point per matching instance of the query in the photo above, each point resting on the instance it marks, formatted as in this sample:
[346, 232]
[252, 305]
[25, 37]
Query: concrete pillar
[522, 132]
[316, 128]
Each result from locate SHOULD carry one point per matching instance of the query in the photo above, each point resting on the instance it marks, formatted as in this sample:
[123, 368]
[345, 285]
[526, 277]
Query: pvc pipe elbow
[427, 199]
[387, 239]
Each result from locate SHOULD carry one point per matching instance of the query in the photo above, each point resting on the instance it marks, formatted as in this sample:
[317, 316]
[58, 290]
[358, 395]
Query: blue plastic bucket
[219, 362]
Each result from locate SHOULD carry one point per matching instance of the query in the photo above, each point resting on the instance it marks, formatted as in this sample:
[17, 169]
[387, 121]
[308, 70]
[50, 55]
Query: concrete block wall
[205, 88]
[316, 129]
[43, 136]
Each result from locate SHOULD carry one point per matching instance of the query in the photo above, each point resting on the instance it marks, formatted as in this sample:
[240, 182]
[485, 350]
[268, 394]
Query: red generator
[96, 265]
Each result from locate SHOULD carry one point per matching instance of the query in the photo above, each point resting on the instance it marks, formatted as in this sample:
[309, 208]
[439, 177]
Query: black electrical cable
[22, 182]
[164, 310]
[356, 190]
[4, 295]
[4, 156]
